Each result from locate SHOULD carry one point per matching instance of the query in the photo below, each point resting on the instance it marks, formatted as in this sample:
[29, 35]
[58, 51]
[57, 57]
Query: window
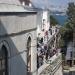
[56, 30]
[3, 61]
[29, 55]
[71, 54]
[50, 30]
[27, 2]
[43, 24]
[41, 41]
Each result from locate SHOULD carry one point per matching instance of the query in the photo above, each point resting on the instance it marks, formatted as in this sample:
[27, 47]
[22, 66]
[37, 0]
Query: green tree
[71, 15]
[53, 21]
[71, 21]
[70, 25]
[68, 28]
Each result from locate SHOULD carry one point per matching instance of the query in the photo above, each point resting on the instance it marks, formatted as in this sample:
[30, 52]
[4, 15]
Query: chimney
[26, 2]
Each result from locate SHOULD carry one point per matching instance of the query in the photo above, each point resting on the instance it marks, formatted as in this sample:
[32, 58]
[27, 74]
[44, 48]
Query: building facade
[18, 52]
[43, 24]
[18, 40]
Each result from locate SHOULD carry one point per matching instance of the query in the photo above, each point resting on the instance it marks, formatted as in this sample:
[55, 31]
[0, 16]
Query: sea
[61, 19]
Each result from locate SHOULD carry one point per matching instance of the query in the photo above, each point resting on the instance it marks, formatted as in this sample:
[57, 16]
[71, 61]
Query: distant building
[43, 24]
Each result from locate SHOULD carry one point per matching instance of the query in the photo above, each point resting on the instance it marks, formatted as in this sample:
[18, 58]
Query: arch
[5, 43]
[29, 55]
[3, 61]
[29, 35]
[6, 46]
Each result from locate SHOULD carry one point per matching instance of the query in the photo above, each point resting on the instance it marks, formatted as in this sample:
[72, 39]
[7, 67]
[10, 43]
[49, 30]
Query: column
[34, 57]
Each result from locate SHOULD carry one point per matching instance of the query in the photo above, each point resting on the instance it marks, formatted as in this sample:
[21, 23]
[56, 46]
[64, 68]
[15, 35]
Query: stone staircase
[51, 66]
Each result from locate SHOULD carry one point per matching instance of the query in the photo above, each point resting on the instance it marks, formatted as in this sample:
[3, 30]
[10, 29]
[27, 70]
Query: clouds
[39, 3]
[52, 2]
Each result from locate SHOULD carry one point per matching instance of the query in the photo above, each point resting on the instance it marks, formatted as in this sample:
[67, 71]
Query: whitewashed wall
[17, 43]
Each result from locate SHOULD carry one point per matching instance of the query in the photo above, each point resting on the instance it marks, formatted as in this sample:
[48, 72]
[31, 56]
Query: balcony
[51, 65]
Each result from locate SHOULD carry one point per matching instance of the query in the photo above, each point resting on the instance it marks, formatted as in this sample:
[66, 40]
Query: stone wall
[14, 23]
[15, 29]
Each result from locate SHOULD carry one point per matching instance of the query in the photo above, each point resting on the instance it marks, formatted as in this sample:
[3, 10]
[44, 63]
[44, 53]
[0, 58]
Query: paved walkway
[72, 69]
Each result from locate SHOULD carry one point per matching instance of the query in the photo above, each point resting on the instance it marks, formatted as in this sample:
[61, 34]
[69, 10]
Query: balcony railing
[51, 65]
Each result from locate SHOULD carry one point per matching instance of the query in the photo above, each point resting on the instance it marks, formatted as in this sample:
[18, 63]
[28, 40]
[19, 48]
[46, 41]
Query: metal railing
[53, 65]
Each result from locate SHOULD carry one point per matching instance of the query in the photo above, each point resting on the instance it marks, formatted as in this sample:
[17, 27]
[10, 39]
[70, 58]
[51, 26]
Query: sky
[52, 3]
[60, 2]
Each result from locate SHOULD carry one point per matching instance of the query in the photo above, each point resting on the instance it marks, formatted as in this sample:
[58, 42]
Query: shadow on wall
[17, 59]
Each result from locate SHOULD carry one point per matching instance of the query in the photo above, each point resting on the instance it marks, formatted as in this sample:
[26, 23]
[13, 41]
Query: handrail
[52, 66]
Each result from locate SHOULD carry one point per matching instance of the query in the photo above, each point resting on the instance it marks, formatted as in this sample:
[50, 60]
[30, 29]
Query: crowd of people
[44, 53]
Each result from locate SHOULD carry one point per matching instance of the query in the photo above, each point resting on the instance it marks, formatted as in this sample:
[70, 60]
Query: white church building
[18, 52]
[18, 40]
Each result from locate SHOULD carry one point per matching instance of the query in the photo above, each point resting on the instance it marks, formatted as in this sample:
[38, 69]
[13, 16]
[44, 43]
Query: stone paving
[72, 69]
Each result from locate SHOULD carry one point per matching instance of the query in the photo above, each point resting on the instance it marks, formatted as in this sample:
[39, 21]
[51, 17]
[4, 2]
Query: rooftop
[15, 2]
[14, 6]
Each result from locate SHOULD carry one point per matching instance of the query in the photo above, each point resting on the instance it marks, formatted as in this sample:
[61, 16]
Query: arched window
[3, 61]
[29, 55]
